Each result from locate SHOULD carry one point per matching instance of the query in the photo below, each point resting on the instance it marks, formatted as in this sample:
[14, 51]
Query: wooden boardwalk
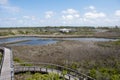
[6, 66]
[45, 70]
[51, 68]
[7, 69]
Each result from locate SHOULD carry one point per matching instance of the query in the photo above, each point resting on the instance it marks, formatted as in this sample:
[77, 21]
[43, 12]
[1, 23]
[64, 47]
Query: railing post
[46, 69]
[52, 69]
[22, 69]
[40, 69]
[79, 78]
[69, 77]
[12, 75]
[28, 68]
[34, 68]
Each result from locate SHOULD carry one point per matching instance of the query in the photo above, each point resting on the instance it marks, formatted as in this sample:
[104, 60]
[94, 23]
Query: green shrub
[17, 60]
[74, 65]
[26, 64]
[115, 77]
[105, 74]
[50, 76]
[93, 73]
[117, 42]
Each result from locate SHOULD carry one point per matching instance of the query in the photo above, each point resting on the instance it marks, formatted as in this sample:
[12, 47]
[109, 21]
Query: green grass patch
[50, 76]
[0, 56]
[117, 42]
[17, 60]
[26, 64]
[105, 74]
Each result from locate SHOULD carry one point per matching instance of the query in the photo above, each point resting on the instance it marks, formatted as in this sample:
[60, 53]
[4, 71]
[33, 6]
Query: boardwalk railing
[48, 68]
[1, 63]
[7, 69]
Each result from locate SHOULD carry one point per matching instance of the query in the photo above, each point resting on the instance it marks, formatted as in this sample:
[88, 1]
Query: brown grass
[83, 56]
[66, 51]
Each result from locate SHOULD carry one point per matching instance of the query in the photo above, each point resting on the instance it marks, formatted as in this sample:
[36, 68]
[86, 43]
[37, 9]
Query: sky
[34, 13]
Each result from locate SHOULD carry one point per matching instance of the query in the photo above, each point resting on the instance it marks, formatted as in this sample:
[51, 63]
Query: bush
[115, 77]
[117, 42]
[17, 60]
[93, 73]
[105, 74]
[50, 76]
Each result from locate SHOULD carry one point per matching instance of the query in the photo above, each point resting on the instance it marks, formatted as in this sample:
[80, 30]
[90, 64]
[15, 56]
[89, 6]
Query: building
[64, 30]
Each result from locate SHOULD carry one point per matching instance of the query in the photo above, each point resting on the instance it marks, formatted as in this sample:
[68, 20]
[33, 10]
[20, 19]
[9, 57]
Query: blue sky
[20, 13]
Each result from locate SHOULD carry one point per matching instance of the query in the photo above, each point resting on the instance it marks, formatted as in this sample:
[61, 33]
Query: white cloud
[68, 17]
[91, 7]
[117, 13]
[65, 17]
[33, 18]
[29, 17]
[77, 15]
[70, 11]
[5, 6]
[94, 15]
[20, 21]
[26, 17]
[10, 8]
[3, 2]
[8, 19]
[70, 14]
[13, 19]
[49, 14]
[108, 20]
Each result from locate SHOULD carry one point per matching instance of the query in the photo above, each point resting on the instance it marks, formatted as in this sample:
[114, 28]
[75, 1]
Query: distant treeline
[53, 30]
[99, 27]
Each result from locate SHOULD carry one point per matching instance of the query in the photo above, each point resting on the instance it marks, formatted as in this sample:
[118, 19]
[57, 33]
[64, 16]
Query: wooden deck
[7, 70]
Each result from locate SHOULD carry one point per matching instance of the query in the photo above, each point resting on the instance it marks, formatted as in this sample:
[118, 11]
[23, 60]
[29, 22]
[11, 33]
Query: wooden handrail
[42, 66]
[54, 67]
[1, 59]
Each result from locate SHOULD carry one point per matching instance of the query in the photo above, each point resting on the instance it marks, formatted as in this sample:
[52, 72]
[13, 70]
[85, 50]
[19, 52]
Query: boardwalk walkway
[50, 68]
[7, 67]
[45, 70]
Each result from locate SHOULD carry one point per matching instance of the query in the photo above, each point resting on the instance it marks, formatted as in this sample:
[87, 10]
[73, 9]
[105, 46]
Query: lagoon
[23, 40]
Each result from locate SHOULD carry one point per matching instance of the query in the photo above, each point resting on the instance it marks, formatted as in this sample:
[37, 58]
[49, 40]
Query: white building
[64, 30]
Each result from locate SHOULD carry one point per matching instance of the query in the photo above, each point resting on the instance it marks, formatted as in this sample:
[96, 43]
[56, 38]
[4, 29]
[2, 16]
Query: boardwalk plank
[6, 66]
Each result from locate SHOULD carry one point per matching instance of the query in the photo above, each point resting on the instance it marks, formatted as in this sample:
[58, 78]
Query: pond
[18, 41]
[90, 39]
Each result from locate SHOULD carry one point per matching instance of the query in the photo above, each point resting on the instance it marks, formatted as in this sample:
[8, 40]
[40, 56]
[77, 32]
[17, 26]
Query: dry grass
[70, 51]
[83, 56]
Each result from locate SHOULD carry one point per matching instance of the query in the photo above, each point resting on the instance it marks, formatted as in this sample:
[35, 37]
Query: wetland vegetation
[99, 60]
[78, 31]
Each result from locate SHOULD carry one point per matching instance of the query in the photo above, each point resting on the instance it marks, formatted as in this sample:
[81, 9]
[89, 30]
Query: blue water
[36, 42]
[13, 39]
[30, 41]
[90, 39]
[44, 41]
